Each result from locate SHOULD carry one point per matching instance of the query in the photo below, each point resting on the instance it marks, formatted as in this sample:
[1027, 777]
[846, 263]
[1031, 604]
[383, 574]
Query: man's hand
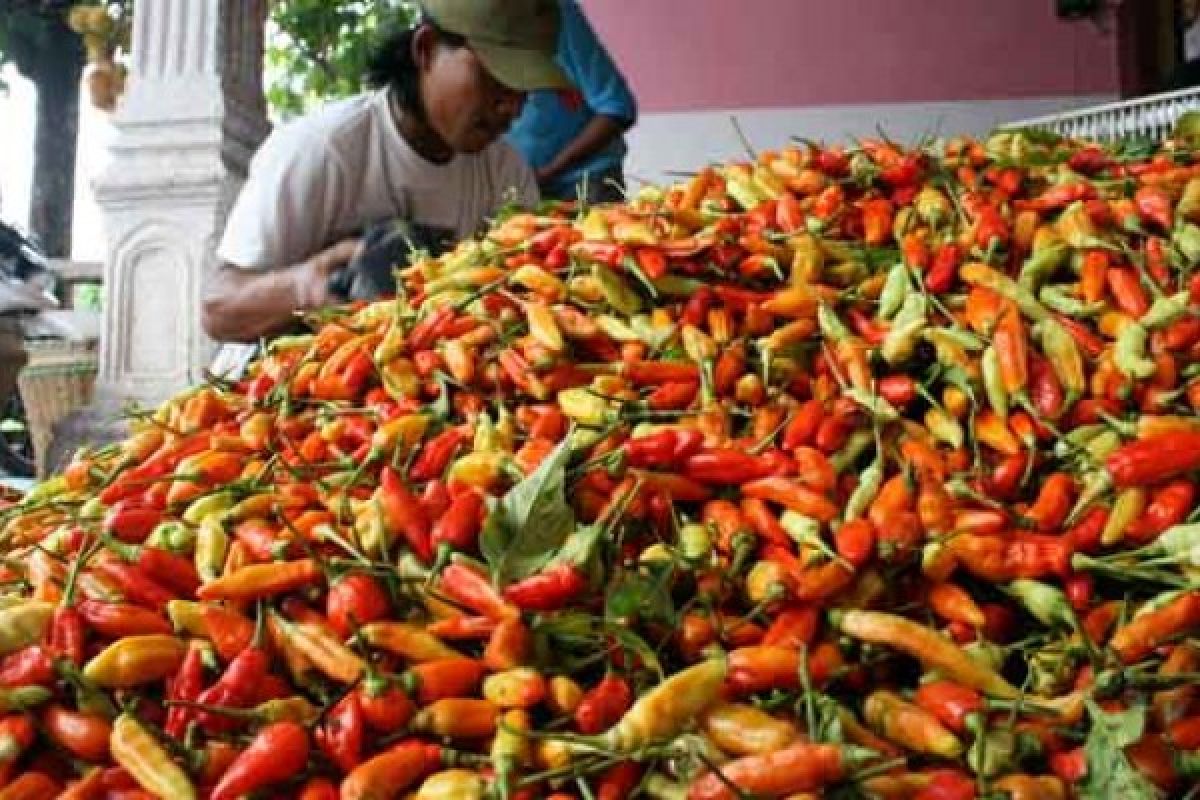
[312, 280]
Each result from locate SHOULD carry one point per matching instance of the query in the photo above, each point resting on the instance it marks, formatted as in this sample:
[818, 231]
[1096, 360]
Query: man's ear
[424, 42]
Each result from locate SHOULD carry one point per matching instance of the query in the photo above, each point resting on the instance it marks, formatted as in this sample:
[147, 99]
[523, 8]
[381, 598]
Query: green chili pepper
[1129, 354]
[1187, 240]
[45, 491]
[993, 382]
[214, 503]
[895, 290]
[831, 324]
[906, 330]
[1047, 604]
[1060, 299]
[1042, 265]
[869, 483]
[1165, 311]
[172, 536]
[695, 543]
[854, 447]
[874, 404]
[677, 286]
[23, 698]
[1064, 357]
[616, 292]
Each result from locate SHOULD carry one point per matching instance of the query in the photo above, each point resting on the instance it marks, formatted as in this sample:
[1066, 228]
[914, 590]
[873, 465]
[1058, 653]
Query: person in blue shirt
[576, 139]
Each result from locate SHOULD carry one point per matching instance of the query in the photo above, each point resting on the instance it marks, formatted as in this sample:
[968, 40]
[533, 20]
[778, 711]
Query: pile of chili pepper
[841, 472]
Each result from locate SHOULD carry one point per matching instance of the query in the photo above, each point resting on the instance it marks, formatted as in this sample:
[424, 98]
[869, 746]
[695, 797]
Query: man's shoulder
[340, 126]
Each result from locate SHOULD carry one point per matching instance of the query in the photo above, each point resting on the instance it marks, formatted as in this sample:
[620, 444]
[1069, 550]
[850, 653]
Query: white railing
[1153, 115]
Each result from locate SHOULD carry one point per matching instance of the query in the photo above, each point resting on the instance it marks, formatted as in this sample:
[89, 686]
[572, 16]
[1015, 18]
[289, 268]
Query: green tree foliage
[317, 49]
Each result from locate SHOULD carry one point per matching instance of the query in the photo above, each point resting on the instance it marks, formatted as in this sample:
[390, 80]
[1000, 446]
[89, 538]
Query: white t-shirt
[326, 176]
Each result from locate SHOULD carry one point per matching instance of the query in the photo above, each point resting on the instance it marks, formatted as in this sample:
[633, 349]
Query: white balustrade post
[191, 117]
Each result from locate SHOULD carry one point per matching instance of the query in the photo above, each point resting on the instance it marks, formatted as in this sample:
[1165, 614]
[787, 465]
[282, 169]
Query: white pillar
[191, 117]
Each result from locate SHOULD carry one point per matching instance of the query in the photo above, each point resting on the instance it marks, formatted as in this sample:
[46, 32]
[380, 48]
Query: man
[423, 146]
[576, 140]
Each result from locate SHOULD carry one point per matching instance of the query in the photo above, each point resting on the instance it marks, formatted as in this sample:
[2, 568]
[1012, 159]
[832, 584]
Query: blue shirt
[550, 120]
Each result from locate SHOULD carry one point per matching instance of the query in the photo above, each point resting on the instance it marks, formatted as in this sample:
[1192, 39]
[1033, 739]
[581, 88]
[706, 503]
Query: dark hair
[391, 64]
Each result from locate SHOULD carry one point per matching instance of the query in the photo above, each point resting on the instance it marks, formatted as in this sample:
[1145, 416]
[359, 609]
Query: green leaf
[1109, 772]
[530, 523]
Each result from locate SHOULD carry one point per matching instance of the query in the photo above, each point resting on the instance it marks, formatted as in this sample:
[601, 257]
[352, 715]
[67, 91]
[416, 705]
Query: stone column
[191, 118]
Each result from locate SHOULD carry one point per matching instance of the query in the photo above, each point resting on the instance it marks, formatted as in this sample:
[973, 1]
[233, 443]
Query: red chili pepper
[958, 708]
[186, 686]
[403, 514]
[236, 688]
[603, 705]
[1170, 505]
[549, 590]
[1057, 197]
[355, 600]
[794, 627]
[131, 522]
[695, 311]
[135, 585]
[1127, 291]
[1089, 160]
[764, 522]
[1091, 344]
[341, 734]
[618, 781]
[468, 587]
[651, 373]
[117, 620]
[426, 332]
[29, 666]
[1138, 637]
[855, 541]
[1155, 206]
[944, 270]
[1053, 502]
[275, 755]
[436, 454]
[725, 467]
[67, 634]
[802, 428]
[607, 253]
[673, 396]
[1150, 461]
[662, 449]
[1084, 536]
[173, 571]
[230, 631]
[458, 528]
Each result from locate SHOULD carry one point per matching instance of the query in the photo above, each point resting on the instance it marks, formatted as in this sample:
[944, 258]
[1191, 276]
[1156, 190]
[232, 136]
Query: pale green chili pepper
[1165, 311]
[873, 404]
[174, 537]
[1187, 240]
[855, 446]
[1065, 358]
[695, 543]
[1046, 603]
[831, 324]
[869, 483]
[806, 532]
[906, 330]
[1041, 265]
[214, 503]
[1060, 299]
[212, 544]
[993, 382]
[677, 286]
[616, 292]
[895, 290]
[1129, 354]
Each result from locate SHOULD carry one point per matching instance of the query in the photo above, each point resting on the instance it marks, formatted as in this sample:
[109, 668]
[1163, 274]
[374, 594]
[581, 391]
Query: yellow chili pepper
[24, 624]
[147, 762]
[408, 641]
[323, 649]
[135, 660]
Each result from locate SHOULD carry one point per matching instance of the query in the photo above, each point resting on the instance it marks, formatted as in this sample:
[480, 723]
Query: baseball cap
[515, 39]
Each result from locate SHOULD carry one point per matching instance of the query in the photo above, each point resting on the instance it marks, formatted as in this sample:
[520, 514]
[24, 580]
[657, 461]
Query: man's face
[464, 104]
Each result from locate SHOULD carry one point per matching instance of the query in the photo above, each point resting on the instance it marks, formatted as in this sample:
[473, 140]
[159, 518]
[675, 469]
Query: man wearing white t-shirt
[424, 146]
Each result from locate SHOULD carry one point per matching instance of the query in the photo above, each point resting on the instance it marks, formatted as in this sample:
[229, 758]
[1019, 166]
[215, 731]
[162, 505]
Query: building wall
[834, 69]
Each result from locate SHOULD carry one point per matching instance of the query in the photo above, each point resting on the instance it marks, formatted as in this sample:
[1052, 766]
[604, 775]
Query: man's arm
[242, 305]
[594, 137]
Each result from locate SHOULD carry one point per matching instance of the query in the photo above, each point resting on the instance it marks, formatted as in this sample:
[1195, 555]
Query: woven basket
[58, 379]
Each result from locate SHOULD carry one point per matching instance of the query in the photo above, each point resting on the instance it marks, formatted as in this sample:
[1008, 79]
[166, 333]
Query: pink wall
[715, 54]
